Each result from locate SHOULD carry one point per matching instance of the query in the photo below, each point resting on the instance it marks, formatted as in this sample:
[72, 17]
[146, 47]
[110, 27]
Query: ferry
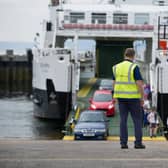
[113, 25]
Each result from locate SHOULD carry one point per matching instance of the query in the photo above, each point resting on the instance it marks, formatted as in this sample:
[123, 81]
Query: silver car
[106, 84]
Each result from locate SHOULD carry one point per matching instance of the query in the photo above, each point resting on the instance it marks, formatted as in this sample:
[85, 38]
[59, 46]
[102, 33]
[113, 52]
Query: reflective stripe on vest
[125, 86]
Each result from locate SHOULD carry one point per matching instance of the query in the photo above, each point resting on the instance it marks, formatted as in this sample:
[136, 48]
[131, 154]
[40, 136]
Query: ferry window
[66, 17]
[99, 18]
[112, 1]
[141, 18]
[120, 18]
[160, 2]
[77, 17]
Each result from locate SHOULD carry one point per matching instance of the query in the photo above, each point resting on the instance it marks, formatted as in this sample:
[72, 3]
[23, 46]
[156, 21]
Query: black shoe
[139, 146]
[124, 146]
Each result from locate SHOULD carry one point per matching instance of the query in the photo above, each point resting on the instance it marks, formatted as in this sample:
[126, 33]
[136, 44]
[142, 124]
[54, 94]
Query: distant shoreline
[17, 47]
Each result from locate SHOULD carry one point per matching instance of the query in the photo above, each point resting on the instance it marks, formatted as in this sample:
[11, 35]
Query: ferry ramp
[87, 88]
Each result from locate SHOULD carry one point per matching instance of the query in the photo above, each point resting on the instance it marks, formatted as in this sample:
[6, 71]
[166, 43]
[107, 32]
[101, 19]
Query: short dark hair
[129, 52]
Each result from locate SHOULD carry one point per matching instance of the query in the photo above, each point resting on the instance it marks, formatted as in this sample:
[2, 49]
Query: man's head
[129, 53]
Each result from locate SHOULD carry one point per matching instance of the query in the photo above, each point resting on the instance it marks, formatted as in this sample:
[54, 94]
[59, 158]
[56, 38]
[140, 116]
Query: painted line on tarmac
[85, 90]
[83, 159]
[132, 138]
[68, 138]
[116, 138]
[76, 117]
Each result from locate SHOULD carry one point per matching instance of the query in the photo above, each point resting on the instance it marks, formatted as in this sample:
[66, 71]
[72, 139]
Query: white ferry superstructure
[114, 25]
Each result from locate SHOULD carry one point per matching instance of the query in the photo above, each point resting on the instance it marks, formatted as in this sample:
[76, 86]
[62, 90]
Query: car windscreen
[102, 97]
[92, 117]
[106, 83]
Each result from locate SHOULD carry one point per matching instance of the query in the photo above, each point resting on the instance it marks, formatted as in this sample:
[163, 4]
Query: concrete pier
[81, 154]
[15, 73]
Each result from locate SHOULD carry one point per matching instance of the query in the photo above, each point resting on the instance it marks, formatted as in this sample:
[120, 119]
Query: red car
[102, 100]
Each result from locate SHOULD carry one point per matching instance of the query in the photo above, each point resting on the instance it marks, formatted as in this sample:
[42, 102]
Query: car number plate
[89, 134]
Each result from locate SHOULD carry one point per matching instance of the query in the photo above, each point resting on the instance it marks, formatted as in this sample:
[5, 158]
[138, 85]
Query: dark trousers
[135, 110]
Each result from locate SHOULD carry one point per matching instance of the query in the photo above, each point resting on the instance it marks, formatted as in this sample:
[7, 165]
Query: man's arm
[140, 87]
[139, 81]
[141, 90]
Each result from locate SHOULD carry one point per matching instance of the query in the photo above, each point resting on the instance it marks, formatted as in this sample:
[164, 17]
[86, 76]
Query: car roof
[106, 81]
[102, 92]
[91, 111]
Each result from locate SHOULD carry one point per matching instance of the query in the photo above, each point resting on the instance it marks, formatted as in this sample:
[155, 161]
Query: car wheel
[75, 137]
[108, 133]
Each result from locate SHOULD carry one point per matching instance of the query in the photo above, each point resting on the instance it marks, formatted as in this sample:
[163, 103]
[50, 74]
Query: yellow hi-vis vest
[125, 86]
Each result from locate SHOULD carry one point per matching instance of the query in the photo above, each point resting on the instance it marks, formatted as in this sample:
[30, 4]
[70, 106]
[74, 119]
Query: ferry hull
[163, 107]
[57, 107]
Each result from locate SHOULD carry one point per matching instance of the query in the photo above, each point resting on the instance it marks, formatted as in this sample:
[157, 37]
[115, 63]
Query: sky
[21, 19]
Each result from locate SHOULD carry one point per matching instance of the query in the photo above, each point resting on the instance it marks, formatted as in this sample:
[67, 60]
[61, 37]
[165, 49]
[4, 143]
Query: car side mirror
[75, 107]
[72, 121]
[90, 100]
[114, 100]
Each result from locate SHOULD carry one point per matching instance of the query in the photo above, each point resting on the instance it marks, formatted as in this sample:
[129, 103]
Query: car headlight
[93, 106]
[100, 130]
[110, 106]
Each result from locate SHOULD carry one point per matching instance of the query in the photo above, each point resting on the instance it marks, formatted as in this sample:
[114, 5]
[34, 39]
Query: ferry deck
[87, 88]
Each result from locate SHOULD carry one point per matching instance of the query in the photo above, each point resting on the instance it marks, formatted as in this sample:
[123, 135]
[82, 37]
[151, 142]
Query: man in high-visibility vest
[128, 90]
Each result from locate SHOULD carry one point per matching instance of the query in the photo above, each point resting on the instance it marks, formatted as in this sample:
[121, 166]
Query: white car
[106, 84]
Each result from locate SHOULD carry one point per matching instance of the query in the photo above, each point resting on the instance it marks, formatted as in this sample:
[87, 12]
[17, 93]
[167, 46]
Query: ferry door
[109, 54]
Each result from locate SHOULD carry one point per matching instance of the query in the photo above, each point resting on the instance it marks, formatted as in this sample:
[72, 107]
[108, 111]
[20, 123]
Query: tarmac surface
[16, 153]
